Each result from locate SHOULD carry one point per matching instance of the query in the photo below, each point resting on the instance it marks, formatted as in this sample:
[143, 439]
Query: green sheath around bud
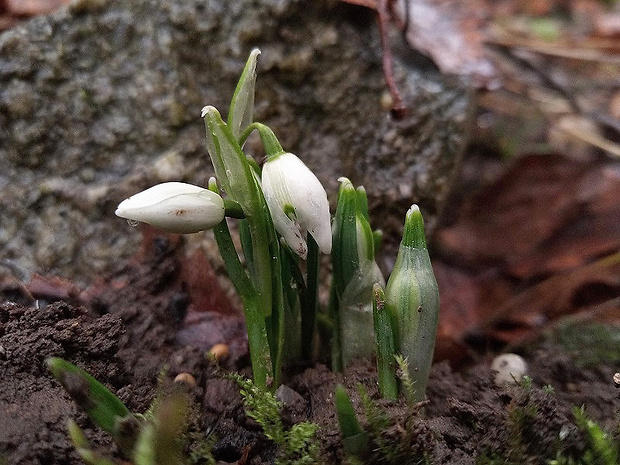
[412, 299]
[355, 272]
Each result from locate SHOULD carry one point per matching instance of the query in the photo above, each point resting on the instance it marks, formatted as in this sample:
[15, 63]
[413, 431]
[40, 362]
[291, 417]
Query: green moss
[295, 446]
[602, 343]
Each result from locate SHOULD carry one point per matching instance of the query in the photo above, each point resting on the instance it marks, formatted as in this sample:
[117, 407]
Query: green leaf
[103, 407]
[354, 438]
[82, 446]
[386, 346]
[241, 110]
[345, 260]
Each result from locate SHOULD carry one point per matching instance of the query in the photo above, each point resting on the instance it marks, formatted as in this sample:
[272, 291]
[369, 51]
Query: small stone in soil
[187, 379]
[508, 368]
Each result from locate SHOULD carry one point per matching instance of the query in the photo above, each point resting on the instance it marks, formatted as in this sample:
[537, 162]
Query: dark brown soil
[129, 329]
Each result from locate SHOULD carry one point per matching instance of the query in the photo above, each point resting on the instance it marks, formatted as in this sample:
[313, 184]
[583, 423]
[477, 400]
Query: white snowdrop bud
[174, 207]
[509, 369]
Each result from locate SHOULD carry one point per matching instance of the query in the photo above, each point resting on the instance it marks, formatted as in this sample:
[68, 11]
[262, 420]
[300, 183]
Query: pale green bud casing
[412, 298]
[297, 202]
[352, 235]
[175, 207]
[230, 163]
[355, 272]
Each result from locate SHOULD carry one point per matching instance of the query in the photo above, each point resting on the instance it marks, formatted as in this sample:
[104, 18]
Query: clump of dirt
[142, 324]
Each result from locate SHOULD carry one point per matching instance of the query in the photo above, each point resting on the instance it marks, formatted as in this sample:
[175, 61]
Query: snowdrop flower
[174, 207]
[297, 202]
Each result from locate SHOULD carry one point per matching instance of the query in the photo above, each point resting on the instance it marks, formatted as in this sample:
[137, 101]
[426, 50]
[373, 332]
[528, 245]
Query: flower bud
[355, 272]
[354, 244]
[174, 207]
[297, 202]
[412, 298]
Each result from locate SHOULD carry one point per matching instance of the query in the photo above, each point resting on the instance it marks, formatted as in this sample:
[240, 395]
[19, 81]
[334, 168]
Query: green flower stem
[386, 346]
[336, 343]
[233, 209]
[268, 138]
[310, 300]
[246, 245]
[275, 321]
[254, 320]
[293, 294]
[234, 172]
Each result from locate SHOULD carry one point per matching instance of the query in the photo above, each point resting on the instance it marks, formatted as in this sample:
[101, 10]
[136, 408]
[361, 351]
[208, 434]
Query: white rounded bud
[174, 207]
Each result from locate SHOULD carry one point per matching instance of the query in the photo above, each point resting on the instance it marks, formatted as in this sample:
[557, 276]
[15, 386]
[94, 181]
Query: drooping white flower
[174, 207]
[297, 202]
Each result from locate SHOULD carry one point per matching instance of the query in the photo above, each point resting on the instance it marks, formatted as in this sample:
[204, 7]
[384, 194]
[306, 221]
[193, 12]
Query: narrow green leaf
[345, 260]
[386, 346]
[354, 438]
[103, 407]
[310, 302]
[241, 110]
[82, 446]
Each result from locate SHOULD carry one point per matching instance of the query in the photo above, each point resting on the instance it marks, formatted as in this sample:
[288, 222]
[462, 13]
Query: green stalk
[234, 172]
[254, 320]
[336, 343]
[292, 279]
[386, 346]
[275, 321]
[310, 301]
[246, 245]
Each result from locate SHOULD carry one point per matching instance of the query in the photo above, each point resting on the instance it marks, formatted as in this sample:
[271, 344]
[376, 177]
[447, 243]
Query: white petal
[287, 181]
[311, 204]
[157, 193]
[290, 231]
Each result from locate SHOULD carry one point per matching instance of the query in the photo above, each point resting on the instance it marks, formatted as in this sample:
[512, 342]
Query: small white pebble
[508, 368]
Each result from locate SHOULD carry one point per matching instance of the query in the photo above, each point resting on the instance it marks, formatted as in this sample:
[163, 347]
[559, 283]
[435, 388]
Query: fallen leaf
[202, 285]
[547, 213]
[450, 32]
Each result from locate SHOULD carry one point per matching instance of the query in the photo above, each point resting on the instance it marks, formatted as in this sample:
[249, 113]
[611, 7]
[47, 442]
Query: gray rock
[103, 99]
